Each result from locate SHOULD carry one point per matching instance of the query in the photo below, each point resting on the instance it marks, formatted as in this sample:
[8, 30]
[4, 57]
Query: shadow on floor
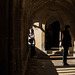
[41, 55]
[41, 65]
[69, 66]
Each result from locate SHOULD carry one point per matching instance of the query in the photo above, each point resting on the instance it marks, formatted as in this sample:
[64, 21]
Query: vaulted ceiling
[43, 8]
[35, 5]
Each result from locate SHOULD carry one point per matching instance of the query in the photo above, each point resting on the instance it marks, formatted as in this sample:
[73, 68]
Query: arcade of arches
[18, 16]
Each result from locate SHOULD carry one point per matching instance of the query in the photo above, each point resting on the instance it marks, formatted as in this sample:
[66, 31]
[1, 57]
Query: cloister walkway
[42, 64]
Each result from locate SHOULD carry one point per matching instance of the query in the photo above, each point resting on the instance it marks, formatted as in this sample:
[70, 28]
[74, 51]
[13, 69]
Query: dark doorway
[52, 35]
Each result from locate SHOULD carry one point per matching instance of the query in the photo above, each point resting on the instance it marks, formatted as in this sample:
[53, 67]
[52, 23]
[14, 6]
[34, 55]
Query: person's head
[31, 30]
[67, 27]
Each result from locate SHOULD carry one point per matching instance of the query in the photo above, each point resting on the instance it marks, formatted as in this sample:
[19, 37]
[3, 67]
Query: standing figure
[66, 43]
[31, 41]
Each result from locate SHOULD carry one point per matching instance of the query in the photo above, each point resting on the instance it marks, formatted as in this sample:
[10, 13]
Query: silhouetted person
[31, 41]
[66, 43]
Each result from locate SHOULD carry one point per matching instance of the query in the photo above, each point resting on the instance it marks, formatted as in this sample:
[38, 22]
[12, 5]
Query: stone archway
[39, 28]
[49, 20]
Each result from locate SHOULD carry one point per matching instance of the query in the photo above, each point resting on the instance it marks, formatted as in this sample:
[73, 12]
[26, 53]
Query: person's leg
[64, 57]
[65, 53]
[33, 50]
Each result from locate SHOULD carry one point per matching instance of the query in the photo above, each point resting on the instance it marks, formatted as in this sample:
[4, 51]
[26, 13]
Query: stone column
[74, 50]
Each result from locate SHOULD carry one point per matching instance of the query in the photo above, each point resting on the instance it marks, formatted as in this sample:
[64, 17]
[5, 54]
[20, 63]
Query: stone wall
[14, 25]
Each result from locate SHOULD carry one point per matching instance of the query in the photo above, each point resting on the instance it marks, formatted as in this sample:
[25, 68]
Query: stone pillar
[74, 50]
[4, 37]
[38, 39]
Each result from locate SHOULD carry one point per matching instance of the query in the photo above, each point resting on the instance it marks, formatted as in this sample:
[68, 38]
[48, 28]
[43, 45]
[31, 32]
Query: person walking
[31, 41]
[66, 43]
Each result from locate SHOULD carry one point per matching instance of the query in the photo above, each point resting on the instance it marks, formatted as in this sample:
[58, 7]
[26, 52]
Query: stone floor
[65, 70]
[42, 64]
